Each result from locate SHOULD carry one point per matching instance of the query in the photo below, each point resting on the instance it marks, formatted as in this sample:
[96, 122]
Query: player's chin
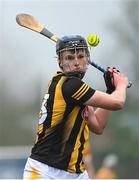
[82, 69]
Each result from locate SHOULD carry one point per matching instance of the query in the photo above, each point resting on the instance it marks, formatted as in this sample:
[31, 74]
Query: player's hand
[108, 78]
[119, 79]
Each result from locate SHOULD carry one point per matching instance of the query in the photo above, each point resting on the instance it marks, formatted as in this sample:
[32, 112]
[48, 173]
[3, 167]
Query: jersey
[62, 132]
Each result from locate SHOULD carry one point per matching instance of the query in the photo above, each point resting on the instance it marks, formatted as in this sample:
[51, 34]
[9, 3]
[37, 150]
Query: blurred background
[28, 59]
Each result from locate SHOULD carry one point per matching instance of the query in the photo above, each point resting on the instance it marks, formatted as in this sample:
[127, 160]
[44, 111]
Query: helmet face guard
[69, 43]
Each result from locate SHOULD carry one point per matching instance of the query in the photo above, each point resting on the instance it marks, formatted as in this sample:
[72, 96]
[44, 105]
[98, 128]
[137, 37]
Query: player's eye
[69, 58]
[81, 56]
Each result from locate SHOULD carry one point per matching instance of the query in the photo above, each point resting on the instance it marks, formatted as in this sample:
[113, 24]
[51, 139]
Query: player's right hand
[119, 79]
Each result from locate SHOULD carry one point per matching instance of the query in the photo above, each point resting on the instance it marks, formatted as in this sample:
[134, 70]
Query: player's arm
[97, 120]
[116, 99]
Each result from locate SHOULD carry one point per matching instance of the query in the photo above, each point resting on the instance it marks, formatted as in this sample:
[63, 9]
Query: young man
[67, 114]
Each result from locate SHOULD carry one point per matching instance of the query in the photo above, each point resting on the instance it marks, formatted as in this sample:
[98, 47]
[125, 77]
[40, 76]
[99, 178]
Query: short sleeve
[76, 91]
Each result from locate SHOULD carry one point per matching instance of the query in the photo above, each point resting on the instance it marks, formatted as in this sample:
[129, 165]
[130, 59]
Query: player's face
[75, 60]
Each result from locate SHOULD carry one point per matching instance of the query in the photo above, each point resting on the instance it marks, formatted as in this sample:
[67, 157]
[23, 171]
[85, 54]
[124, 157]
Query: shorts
[37, 170]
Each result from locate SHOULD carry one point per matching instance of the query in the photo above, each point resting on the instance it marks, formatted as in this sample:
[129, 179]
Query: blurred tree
[126, 31]
[126, 34]
[122, 133]
[18, 120]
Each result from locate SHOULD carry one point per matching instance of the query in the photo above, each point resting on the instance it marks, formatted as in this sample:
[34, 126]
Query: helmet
[70, 42]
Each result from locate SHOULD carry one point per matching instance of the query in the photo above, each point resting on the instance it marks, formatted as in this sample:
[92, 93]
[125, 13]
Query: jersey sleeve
[76, 91]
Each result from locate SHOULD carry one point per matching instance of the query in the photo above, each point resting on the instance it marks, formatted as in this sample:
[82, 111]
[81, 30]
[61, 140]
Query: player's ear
[88, 56]
[60, 64]
[88, 59]
[60, 60]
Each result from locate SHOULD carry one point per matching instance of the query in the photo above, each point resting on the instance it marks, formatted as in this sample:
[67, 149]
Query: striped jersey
[63, 133]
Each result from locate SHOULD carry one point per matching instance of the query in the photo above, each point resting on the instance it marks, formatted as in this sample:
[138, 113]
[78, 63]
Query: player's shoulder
[72, 84]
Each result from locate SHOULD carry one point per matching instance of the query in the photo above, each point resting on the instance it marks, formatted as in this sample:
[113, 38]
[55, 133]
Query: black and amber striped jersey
[62, 132]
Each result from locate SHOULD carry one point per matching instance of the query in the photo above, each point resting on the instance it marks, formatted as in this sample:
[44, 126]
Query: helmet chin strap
[80, 74]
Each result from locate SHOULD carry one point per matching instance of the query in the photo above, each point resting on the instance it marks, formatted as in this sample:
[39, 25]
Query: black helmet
[70, 42]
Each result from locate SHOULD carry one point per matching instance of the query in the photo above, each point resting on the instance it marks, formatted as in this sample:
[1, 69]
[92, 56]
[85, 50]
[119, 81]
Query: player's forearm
[120, 94]
[98, 119]
[102, 116]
